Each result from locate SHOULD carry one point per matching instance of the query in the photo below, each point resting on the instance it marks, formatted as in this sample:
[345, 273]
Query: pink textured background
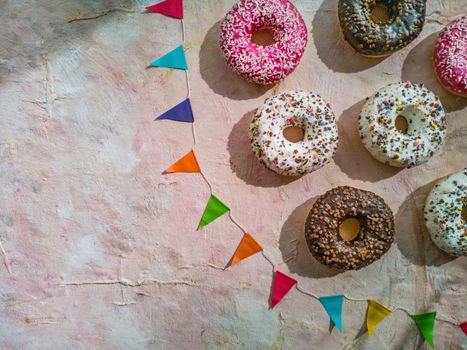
[84, 199]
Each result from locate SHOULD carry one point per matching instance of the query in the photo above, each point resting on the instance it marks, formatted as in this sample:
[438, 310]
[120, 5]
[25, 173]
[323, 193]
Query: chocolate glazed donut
[375, 228]
[381, 38]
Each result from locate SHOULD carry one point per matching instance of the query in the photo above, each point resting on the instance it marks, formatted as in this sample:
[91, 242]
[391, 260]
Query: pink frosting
[263, 64]
[450, 56]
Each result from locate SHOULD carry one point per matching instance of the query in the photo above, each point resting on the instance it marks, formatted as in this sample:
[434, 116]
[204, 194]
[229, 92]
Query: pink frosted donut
[263, 64]
[450, 57]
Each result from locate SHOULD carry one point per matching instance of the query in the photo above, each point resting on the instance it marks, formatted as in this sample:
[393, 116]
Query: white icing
[443, 214]
[302, 109]
[425, 116]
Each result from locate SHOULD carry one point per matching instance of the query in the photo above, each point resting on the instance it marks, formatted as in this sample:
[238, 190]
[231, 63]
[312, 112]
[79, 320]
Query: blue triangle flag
[174, 59]
[180, 113]
[333, 306]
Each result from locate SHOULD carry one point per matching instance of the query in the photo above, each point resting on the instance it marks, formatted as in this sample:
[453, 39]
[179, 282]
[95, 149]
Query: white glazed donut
[444, 209]
[426, 124]
[305, 110]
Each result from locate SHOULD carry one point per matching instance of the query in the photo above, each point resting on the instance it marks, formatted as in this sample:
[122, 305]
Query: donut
[263, 64]
[446, 214]
[450, 56]
[426, 124]
[299, 109]
[374, 232]
[380, 38]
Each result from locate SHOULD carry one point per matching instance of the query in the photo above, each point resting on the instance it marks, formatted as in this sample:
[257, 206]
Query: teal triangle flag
[333, 306]
[426, 325]
[214, 209]
[174, 59]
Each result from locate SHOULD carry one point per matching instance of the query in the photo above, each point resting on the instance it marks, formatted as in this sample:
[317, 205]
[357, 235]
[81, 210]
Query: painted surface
[84, 200]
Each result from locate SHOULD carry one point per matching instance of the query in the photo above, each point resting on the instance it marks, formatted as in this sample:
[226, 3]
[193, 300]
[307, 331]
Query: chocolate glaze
[406, 19]
[331, 209]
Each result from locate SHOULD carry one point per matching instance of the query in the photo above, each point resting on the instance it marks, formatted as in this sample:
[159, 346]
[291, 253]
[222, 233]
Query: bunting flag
[214, 209]
[247, 247]
[426, 325]
[174, 59]
[171, 8]
[463, 326]
[282, 285]
[333, 306]
[375, 314]
[186, 164]
[180, 113]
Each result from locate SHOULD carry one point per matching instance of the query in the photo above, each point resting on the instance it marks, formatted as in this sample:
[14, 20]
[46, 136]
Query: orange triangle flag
[247, 247]
[186, 164]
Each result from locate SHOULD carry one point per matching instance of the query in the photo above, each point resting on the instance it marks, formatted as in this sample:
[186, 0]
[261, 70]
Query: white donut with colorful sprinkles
[446, 214]
[425, 117]
[300, 109]
[263, 64]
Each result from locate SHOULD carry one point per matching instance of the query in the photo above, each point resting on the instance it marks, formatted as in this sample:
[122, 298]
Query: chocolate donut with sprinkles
[450, 57]
[374, 37]
[257, 63]
[332, 244]
[303, 110]
[446, 214]
[405, 145]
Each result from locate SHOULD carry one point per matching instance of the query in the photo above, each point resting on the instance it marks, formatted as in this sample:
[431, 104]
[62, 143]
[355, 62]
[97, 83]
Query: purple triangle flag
[180, 113]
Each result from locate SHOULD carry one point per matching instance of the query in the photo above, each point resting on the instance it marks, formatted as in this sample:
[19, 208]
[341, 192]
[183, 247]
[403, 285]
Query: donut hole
[294, 133]
[380, 14]
[349, 228]
[263, 37]
[402, 124]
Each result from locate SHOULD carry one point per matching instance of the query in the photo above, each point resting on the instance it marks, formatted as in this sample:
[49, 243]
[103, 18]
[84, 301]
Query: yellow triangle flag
[247, 247]
[375, 314]
[186, 164]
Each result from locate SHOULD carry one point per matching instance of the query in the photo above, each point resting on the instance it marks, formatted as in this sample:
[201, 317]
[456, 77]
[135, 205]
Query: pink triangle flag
[171, 8]
[282, 285]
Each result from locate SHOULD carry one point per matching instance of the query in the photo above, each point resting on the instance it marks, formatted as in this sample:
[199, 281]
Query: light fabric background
[84, 200]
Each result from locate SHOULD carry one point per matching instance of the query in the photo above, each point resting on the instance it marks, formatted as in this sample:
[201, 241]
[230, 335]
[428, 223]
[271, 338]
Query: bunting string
[334, 301]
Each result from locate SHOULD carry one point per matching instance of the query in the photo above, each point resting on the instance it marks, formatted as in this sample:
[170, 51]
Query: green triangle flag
[426, 325]
[174, 59]
[214, 209]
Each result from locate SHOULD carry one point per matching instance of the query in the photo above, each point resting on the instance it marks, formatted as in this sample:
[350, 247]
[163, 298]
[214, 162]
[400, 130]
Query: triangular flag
[174, 59]
[282, 285]
[180, 113]
[333, 306]
[426, 325]
[463, 326]
[186, 164]
[247, 247]
[214, 209]
[375, 314]
[171, 8]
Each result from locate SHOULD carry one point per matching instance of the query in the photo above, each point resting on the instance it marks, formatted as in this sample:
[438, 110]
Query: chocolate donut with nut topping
[378, 38]
[373, 238]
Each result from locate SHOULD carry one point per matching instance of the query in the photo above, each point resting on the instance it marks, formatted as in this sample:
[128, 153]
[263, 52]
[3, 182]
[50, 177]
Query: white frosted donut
[445, 214]
[302, 109]
[426, 124]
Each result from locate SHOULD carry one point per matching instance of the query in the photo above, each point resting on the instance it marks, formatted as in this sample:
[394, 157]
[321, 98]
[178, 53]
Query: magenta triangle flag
[282, 285]
[180, 113]
[170, 8]
[463, 326]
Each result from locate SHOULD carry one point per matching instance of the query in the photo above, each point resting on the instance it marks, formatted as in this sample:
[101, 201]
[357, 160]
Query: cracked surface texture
[101, 248]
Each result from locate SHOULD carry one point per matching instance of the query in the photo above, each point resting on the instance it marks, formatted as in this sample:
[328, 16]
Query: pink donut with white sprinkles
[263, 64]
[450, 57]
